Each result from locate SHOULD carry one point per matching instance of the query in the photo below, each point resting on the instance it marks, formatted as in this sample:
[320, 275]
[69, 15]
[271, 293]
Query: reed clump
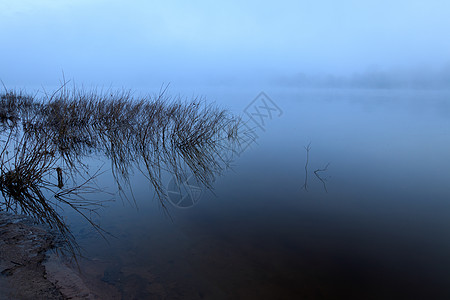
[44, 140]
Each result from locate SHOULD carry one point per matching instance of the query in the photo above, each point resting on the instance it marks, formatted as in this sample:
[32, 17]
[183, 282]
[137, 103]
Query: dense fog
[146, 43]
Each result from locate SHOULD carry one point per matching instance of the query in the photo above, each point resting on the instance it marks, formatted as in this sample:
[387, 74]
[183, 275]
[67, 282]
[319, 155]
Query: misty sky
[141, 42]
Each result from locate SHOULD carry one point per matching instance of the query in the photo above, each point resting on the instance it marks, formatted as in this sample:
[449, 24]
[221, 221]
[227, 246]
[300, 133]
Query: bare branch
[323, 180]
[307, 148]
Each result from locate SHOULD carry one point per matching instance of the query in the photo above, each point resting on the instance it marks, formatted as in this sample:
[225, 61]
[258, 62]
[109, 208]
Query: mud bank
[30, 269]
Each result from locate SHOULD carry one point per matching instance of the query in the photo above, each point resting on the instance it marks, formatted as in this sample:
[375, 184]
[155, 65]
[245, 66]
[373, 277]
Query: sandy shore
[31, 270]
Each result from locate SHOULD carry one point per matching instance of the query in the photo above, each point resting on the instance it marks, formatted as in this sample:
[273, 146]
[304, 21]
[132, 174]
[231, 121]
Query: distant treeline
[418, 78]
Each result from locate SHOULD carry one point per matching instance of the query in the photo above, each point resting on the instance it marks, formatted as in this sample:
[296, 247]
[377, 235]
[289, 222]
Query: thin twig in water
[320, 178]
[307, 148]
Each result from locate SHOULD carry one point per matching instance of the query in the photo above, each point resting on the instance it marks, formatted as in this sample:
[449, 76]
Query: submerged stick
[320, 178]
[307, 148]
[60, 177]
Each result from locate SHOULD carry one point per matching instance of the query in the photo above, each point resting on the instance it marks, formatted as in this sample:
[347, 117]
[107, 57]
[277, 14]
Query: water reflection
[45, 143]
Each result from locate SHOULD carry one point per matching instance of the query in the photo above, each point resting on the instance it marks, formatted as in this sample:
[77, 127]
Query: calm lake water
[376, 227]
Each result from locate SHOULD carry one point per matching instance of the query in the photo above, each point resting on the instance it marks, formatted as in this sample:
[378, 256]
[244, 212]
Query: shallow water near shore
[371, 222]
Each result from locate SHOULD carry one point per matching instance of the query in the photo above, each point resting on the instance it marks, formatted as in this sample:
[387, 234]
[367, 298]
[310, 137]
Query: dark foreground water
[376, 227]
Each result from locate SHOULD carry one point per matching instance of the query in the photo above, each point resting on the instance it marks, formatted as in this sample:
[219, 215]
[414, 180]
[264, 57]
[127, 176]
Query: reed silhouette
[45, 141]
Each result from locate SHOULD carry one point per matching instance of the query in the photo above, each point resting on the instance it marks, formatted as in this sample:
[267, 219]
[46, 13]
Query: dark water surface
[378, 229]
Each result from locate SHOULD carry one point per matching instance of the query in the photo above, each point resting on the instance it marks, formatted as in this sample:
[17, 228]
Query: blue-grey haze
[361, 80]
[145, 43]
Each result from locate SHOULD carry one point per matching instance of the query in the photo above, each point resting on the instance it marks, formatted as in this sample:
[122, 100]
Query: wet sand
[30, 269]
